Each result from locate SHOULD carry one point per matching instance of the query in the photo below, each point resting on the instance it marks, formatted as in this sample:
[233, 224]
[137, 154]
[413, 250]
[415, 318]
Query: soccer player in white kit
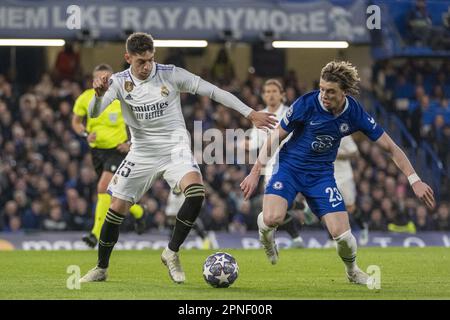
[273, 96]
[343, 174]
[149, 94]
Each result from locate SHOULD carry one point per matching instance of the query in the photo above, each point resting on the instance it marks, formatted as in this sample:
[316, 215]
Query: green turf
[406, 273]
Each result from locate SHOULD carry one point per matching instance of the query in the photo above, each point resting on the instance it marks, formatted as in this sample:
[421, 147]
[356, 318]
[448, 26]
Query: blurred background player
[174, 202]
[273, 97]
[108, 139]
[343, 174]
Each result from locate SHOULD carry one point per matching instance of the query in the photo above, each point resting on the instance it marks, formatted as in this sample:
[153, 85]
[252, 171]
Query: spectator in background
[444, 146]
[223, 70]
[435, 134]
[55, 220]
[442, 217]
[5, 88]
[45, 87]
[419, 24]
[158, 221]
[441, 40]
[32, 219]
[15, 224]
[423, 220]
[176, 57]
[79, 218]
[10, 211]
[67, 66]
[377, 221]
[246, 217]
[218, 219]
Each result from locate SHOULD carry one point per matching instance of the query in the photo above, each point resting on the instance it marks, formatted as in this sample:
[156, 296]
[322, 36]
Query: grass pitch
[406, 273]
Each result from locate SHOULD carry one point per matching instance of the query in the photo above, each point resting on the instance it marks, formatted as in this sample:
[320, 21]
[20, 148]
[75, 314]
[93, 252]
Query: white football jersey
[343, 168]
[151, 108]
[259, 136]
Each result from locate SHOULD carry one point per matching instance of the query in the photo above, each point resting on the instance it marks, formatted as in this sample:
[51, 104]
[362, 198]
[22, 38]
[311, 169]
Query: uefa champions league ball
[220, 270]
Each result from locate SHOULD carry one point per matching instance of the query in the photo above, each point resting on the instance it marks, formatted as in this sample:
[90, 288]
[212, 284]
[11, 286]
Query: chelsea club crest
[344, 127]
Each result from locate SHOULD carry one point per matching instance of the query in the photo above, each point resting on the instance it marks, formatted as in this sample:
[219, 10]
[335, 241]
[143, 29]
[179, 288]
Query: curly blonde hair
[344, 73]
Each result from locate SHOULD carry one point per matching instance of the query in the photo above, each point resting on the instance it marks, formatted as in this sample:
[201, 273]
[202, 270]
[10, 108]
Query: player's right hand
[101, 84]
[249, 184]
[263, 120]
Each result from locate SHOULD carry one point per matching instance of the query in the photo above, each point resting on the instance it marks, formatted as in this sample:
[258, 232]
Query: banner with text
[249, 240]
[314, 20]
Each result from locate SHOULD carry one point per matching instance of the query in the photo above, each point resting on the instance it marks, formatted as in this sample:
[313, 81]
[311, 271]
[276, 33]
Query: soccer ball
[220, 270]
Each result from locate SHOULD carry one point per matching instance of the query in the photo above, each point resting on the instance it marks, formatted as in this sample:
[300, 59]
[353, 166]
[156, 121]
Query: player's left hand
[249, 184]
[263, 120]
[424, 193]
[123, 147]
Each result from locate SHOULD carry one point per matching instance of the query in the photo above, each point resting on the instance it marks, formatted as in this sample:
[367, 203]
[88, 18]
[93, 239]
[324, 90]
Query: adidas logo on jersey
[129, 97]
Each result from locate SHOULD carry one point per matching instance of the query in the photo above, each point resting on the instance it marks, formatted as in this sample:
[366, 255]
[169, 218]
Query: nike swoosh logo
[334, 205]
[314, 123]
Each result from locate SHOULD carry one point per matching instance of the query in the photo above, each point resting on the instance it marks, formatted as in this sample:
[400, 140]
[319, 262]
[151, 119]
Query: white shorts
[135, 177]
[174, 203]
[348, 191]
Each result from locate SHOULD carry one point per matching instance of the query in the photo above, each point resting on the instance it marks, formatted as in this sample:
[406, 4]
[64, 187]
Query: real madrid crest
[164, 91]
[344, 127]
[128, 86]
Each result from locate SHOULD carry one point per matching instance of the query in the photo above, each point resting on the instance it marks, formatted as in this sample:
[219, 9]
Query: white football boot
[172, 262]
[267, 240]
[95, 274]
[358, 276]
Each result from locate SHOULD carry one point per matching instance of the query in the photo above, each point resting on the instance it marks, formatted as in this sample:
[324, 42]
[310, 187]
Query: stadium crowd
[47, 181]
[419, 93]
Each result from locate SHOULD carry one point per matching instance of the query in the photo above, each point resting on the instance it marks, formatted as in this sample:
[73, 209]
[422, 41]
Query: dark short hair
[139, 42]
[103, 67]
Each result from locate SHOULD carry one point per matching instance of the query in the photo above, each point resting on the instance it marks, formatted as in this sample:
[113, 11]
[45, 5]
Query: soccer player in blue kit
[319, 120]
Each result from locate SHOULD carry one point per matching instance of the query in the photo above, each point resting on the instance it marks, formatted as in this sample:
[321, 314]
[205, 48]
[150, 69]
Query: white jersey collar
[138, 81]
[325, 109]
[279, 111]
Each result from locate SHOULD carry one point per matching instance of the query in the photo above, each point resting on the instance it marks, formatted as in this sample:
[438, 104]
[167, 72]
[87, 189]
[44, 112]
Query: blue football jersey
[317, 132]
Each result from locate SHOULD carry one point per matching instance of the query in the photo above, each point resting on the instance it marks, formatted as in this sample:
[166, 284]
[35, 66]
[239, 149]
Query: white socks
[346, 249]
[267, 231]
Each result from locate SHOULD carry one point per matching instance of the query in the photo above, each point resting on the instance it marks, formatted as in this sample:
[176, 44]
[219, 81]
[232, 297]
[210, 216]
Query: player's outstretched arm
[261, 120]
[420, 188]
[249, 184]
[105, 94]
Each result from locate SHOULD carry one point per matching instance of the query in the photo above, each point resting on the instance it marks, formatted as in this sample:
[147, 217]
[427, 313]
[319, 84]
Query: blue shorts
[319, 189]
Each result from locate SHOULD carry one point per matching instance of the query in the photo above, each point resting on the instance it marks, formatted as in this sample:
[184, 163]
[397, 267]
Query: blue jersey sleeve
[367, 124]
[295, 115]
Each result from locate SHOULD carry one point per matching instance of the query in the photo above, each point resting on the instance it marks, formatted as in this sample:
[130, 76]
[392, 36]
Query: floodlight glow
[32, 42]
[310, 44]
